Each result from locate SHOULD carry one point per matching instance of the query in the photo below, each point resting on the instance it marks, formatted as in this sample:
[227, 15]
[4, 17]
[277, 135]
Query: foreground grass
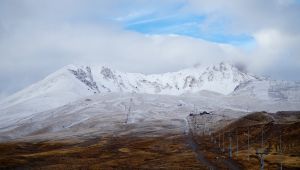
[168, 152]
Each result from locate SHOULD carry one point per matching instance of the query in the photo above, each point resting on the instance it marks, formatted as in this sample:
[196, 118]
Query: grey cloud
[38, 37]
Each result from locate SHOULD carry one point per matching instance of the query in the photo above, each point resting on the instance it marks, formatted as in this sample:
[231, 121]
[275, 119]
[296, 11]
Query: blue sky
[174, 21]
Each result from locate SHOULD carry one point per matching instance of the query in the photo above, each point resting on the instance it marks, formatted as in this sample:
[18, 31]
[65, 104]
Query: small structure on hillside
[200, 113]
[200, 122]
[204, 113]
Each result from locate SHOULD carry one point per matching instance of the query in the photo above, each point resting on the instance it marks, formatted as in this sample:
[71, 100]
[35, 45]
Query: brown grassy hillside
[270, 127]
[127, 152]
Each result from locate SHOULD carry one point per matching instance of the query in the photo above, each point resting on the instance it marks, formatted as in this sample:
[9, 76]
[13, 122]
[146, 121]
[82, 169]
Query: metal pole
[237, 143]
[262, 162]
[230, 149]
[223, 142]
[129, 110]
[204, 128]
[248, 145]
[280, 144]
[219, 140]
[280, 150]
[194, 109]
[262, 137]
[195, 125]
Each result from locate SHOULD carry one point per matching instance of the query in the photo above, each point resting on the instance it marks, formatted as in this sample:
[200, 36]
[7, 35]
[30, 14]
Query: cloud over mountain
[37, 38]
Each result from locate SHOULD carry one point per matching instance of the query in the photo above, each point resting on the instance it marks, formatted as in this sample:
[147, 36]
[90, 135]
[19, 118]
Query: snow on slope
[270, 90]
[106, 114]
[55, 90]
[221, 78]
[57, 103]
[74, 82]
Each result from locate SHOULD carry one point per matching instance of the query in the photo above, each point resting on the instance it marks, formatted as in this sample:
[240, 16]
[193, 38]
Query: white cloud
[38, 37]
[32, 50]
[253, 15]
[274, 25]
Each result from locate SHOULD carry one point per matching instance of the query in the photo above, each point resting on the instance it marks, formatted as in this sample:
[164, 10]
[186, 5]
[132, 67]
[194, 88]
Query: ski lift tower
[230, 135]
[129, 110]
[261, 153]
[248, 142]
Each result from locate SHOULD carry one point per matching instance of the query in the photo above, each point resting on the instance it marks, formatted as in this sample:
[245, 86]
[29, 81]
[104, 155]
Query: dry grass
[165, 152]
[289, 132]
[168, 152]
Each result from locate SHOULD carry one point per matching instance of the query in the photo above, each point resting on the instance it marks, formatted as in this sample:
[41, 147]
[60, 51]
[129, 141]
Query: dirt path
[230, 164]
[194, 146]
[200, 156]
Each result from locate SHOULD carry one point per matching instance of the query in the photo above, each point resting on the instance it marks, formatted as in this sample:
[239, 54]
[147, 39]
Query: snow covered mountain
[74, 82]
[221, 78]
[75, 98]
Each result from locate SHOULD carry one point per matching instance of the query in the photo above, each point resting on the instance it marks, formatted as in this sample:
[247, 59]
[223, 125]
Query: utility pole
[211, 136]
[223, 143]
[261, 152]
[195, 125]
[219, 140]
[280, 143]
[230, 147]
[129, 109]
[280, 150]
[215, 138]
[262, 137]
[248, 144]
[237, 142]
[204, 129]
[194, 109]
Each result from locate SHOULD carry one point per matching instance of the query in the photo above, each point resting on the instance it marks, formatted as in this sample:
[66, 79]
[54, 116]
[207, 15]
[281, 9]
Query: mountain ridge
[72, 83]
[221, 78]
[82, 99]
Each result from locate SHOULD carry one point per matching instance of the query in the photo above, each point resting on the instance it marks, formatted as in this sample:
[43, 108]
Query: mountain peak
[221, 78]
